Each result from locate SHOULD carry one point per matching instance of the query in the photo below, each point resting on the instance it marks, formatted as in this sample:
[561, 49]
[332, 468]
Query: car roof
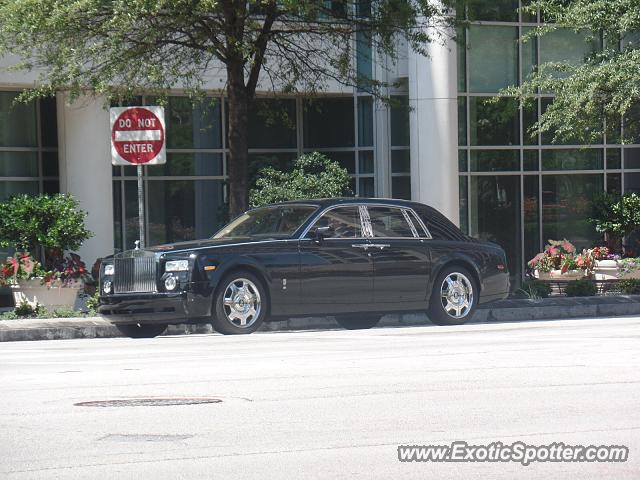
[327, 202]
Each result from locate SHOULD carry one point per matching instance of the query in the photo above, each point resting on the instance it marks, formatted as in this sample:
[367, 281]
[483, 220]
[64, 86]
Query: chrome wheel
[457, 295]
[242, 303]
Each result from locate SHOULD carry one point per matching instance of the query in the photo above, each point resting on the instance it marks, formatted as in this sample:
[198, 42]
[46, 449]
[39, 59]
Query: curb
[504, 311]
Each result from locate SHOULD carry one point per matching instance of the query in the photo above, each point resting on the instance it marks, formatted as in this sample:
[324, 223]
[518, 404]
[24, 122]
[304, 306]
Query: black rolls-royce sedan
[353, 258]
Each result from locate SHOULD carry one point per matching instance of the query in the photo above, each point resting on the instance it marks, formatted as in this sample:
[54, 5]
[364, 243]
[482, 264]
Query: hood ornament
[137, 244]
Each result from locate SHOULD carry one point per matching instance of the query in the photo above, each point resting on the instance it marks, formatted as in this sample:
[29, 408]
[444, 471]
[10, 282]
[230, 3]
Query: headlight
[107, 287]
[176, 266]
[109, 269]
[170, 283]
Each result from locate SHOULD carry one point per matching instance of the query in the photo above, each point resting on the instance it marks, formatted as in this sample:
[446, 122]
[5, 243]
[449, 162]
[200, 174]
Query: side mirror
[320, 233]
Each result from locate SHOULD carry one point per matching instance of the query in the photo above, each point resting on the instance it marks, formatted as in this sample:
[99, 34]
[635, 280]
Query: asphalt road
[331, 404]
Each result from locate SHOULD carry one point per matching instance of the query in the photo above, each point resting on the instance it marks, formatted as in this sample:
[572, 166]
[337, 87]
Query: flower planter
[557, 275]
[544, 275]
[571, 275]
[606, 270]
[53, 296]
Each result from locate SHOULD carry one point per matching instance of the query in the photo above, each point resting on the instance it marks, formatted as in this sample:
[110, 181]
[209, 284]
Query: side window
[344, 222]
[389, 222]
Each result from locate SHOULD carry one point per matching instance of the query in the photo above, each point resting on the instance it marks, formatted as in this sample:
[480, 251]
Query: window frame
[407, 217]
[363, 236]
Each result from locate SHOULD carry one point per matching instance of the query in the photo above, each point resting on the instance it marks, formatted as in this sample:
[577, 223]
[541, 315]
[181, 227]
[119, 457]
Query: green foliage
[623, 216]
[54, 223]
[630, 287]
[313, 176]
[93, 302]
[580, 288]
[27, 309]
[119, 48]
[604, 87]
[534, 289]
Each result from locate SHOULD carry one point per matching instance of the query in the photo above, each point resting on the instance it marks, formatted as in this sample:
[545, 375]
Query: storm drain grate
[148, 402]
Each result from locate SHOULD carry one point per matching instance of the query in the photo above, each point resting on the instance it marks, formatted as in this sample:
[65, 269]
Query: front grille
[135, 275]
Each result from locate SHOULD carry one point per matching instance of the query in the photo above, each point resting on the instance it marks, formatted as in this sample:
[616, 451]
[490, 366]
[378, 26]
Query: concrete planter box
[51, 297]
[635, 275]
[557, 275]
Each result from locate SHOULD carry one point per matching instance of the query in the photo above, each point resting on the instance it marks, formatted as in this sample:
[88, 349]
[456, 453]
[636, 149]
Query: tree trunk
[238, 159]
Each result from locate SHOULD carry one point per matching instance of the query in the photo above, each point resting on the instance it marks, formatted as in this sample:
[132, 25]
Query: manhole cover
[148, 402]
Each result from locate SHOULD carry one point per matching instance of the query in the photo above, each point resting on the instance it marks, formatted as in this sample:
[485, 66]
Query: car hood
[222, 242]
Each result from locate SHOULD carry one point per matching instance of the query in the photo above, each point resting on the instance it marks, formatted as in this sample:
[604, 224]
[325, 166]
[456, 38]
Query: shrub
[313, 176]
[580, 288]
[617, 217]
[630, 287]
[27, 309]
[44, 225]
[535, 289]
[93, 302]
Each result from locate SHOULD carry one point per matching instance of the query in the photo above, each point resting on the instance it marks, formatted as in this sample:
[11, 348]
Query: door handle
[361, 245]
[381, 246]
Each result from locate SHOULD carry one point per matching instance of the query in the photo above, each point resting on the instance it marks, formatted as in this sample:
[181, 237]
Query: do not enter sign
[138, 136]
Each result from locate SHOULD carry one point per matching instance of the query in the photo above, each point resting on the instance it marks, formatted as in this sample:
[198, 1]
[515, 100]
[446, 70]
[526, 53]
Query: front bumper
[161, 307]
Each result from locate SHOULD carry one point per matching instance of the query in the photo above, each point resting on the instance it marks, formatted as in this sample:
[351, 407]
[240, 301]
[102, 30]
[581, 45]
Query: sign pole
[141, 206]
[138, 138]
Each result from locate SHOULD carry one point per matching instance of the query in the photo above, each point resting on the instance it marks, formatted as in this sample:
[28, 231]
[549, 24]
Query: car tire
[454, 297]
[142, 330]
[358, 322]
[240, 304]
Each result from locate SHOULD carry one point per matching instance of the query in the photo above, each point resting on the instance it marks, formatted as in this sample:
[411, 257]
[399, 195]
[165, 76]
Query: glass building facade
[186, 198]
[28, 146]
[516, 189]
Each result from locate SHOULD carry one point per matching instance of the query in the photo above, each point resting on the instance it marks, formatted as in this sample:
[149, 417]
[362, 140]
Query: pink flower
[15, 264]
[27, 265]
[568, 247]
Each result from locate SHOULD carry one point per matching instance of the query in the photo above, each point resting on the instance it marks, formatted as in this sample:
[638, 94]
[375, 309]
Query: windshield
[268, 222]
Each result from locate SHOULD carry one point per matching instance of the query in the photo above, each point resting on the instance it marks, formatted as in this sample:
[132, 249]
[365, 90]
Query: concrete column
[85, 168]
[434, 127]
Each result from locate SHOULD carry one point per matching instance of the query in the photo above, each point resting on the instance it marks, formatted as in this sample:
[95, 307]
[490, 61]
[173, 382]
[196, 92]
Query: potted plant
[616, 217]
[557, 262]
[44, 227]
[32, 284]
[606, 264]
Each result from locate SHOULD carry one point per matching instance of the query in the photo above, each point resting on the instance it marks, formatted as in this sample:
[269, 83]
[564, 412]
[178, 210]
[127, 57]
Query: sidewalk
[503, 311]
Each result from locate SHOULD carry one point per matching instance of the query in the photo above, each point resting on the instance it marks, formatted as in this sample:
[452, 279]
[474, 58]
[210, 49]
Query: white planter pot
[606, 270]
[54, 296]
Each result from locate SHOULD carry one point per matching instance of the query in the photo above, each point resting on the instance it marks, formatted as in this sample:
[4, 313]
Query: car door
[401, 255]
[337, 270]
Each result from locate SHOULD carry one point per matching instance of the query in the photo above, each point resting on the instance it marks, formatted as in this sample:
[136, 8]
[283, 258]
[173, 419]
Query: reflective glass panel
[494, 122]
[492, 57]
[566, 206]
[329, 122]
[272, 123]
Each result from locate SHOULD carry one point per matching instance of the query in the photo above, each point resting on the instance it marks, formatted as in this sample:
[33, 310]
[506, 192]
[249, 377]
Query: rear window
[440, 227]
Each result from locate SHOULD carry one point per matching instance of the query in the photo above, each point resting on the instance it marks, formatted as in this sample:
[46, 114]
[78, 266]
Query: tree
[119, 48]
[313, 176]
[593, 97]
